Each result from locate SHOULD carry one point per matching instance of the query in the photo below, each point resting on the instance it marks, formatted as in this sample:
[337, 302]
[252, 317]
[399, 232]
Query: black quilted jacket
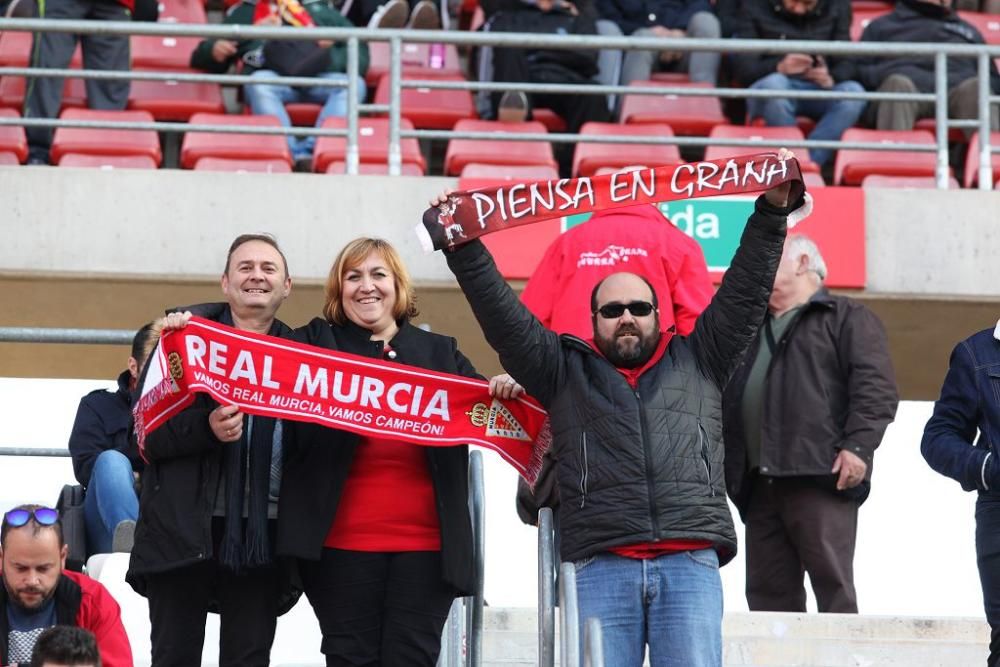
[635, 466]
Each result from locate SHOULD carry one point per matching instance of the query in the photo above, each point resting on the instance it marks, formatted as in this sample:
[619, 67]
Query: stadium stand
[852, 165]
[197, 145]
[373, 145]
[971, 177]
[589, 157]
[13, 143]
[105, 142]
[461, 152]
[686, 115]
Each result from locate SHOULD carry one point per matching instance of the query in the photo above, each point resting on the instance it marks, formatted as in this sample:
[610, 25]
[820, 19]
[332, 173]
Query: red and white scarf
[278, 378]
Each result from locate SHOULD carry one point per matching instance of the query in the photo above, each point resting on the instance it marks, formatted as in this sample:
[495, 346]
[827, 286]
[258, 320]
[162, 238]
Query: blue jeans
[110, 499]
[832, 116]
[673, 603]
[270, 100]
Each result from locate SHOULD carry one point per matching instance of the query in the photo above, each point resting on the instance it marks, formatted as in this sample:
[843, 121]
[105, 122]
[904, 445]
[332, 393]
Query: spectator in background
[267, 60]
[638, 239]
[675, 19]
[424, 15]
[38, 592]
[54, 50]
[66, 646]
[798, 20]
[104, 460]
[545, 66]
[803, 415]
[961, 441]
[922, 21]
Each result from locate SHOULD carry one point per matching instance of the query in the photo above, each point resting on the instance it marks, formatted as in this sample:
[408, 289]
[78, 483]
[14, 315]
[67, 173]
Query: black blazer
[318, 459]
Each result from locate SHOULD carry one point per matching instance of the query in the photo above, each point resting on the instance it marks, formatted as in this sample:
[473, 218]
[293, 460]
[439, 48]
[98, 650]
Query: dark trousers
[247, 605]
[793, 527]
[988, 560]
[962, 103]
[378, 608]
[53, 50]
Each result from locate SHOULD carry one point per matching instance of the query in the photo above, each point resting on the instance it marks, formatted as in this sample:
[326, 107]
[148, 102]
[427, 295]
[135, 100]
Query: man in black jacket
[922, 21]
[209, 496]
[798, 20]
[803, 415]
[637, 439]
[104, 460]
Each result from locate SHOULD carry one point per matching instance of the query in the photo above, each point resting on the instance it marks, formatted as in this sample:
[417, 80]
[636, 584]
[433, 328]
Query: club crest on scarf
[497, 421]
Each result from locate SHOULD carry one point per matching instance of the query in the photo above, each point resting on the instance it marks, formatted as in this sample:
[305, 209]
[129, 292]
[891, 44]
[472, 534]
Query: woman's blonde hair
[353, 254]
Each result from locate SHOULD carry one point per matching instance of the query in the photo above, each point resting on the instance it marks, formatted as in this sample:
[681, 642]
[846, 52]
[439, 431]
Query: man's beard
[15, 597]
[629, 352]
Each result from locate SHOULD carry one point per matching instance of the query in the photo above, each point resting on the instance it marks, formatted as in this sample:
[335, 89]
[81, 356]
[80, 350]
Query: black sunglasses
[610, 311]
[44, 516]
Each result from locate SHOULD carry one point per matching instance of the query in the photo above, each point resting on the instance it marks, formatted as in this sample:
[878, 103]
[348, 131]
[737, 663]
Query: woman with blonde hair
[381, 527]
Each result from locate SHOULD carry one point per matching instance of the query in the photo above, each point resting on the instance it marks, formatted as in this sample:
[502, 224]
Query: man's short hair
[800, 244]
[34, 526]
[593, 292]
[263, 238]
[66, 645]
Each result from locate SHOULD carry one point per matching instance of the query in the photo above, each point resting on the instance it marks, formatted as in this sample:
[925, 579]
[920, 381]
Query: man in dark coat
[209, 496]
[803, 414]
[922, 21]
[637, 440]
[104, 460]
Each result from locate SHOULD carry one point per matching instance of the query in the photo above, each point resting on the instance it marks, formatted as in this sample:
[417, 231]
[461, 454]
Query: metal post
[395, 66]
[451, 639]
[593, 644]
[352, 106]
[941, 118]
[546, 590]
[985, 158]
[474, 610]
[569, 627]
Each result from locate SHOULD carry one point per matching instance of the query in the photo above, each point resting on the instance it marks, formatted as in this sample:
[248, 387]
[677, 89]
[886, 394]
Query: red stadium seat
[461, 152]
[93, 141]
[954, 134]
[757, 133]
[430, 108]
[670, 77]
[197, 145]
[972, 159]
[804, 123]
[852, 165]
[987, 24]
[589, 157]
[242, 166]
[182, 11]
[861, 17]
[15, 51]
[12, 138]
[373, 144]
[302, 114]
[415, 62]
[511, 172]
[366, 168]
[813, 179]
[162, 53]
[107, 161]
[552, 121]
[921, 182]
[8, 159]
[175, 100]
[686, 115]
[12, 93]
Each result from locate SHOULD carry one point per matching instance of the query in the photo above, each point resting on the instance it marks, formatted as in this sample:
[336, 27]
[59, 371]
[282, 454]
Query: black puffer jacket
[635, 466]
[830, 20]
[910, 22]
[318, 459]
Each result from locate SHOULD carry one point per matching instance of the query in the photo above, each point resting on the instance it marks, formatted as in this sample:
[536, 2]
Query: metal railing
[547, 559]
[353, 37]
[453, 648]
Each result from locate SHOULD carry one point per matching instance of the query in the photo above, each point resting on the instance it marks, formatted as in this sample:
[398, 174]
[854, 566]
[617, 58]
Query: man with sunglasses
[637, 439]
[38, 592]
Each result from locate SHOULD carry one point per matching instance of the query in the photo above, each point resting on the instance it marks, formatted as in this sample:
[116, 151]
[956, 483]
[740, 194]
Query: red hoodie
[637, 239]
[100, 613]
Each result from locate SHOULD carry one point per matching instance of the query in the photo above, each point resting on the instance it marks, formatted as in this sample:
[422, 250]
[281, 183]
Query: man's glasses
[44, 516]
[610, 311]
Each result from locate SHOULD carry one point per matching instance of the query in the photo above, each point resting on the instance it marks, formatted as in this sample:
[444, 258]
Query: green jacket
[249, 50]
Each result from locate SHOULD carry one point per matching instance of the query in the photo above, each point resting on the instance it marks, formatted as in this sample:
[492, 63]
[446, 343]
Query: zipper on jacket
[703, 441]
[654, 514]
[585, 472]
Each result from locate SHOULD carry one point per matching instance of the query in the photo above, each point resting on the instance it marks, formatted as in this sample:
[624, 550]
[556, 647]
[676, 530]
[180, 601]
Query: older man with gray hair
[803, 415]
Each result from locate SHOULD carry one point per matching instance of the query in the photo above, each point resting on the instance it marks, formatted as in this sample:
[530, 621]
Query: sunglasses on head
[44, 516]
[610, 311]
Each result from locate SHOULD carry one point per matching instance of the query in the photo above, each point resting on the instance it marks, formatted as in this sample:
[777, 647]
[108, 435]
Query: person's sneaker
[37, 161]
[124, 537]
[513, 107]
[303, 164]
[390, 15]
[425, 16]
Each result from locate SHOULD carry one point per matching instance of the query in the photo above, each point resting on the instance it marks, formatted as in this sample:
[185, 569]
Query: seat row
[522, 159]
